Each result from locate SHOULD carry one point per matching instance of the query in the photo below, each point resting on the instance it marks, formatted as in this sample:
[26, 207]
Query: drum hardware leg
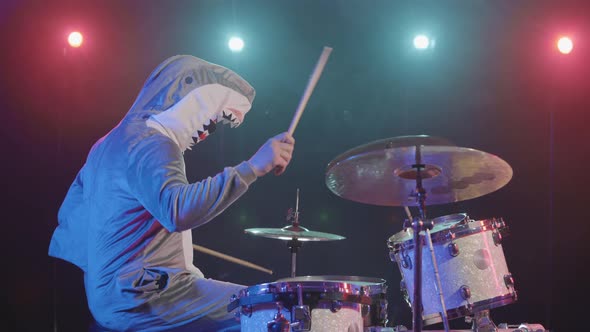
[366, 314]
[404, 290]
[482, 322]
[383, 312]
[280, 323]
[300, 314]
[301, 318]
[523, 327]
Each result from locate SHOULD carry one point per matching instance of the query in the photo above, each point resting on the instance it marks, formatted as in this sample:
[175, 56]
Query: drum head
[447, 222]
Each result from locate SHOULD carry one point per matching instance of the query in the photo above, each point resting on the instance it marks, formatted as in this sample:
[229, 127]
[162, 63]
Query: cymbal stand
[294, 244]
[419, 224]
[436, 274]
[443, 312]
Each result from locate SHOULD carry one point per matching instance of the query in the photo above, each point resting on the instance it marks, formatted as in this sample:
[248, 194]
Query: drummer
[126, 220]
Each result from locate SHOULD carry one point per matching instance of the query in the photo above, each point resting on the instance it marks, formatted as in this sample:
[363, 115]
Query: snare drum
[328, 303]
[471, 265]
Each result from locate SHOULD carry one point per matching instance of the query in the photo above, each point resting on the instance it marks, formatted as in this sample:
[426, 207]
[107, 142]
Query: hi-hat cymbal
[290, 232]
[382, 173]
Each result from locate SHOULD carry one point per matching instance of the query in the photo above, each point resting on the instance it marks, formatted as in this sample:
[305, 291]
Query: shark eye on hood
[188, 80]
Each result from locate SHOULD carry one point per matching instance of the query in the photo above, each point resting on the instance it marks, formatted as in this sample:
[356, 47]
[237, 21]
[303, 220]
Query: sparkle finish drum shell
[471, 264]
[337, 303]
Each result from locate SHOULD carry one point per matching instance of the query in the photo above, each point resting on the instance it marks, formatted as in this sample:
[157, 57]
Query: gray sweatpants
[215, 296]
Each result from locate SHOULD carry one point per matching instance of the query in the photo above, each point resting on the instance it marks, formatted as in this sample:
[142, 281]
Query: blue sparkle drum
[470, 259]
[314, 303]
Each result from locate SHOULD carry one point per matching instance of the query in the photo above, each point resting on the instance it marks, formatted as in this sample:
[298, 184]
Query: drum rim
[442, 219]
[330, 283]
[470, 227]
[333, 278]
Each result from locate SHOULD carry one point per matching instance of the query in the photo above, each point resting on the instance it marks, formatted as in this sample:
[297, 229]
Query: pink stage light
[565, 45]
[75, 39]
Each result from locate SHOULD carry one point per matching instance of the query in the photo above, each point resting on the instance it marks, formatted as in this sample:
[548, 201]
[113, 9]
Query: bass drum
[471, 265]
[328, 303]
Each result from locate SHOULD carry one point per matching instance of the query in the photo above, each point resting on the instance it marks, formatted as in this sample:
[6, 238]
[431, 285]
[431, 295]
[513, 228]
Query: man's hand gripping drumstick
[276, 153]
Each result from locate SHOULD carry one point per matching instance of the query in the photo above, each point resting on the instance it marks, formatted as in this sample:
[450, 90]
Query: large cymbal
[381, 173]
[290, 232]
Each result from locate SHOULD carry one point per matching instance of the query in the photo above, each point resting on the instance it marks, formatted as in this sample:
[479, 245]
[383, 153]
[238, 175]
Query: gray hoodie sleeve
[156, 177]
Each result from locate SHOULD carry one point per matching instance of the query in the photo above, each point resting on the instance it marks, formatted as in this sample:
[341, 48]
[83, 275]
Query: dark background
[494, 82]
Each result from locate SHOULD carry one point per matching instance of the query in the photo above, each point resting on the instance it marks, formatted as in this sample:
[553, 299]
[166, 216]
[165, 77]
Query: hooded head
[186, 97]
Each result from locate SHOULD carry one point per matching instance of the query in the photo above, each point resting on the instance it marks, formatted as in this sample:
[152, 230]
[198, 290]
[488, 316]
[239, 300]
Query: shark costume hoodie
[126, 220]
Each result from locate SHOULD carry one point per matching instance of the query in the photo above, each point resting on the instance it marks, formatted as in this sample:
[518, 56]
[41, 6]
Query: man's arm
[157, 179]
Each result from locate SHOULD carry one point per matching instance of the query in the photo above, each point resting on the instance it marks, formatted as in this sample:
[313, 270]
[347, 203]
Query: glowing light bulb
[75, 39]
[565, 45]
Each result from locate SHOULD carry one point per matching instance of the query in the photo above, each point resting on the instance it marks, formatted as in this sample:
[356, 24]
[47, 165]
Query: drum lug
[465, 292]
[509, 280]
[246, 310]
[497, 236]
[336, 306]
[406, 261]
[453, 249]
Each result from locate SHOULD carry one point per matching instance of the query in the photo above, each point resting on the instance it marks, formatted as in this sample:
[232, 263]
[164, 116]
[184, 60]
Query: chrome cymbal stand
[294, 244]
[418, 225]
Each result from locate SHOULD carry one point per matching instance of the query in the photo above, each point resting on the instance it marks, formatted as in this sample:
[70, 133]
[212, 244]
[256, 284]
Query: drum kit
[457, 269]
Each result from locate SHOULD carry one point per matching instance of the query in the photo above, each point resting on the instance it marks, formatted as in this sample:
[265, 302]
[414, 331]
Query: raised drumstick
[231, 259]
[313, 80]
[315, 76]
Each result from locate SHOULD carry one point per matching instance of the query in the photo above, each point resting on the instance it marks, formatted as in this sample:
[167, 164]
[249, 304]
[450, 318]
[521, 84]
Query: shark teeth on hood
[229, 118]
[211, 127]
[207, 130]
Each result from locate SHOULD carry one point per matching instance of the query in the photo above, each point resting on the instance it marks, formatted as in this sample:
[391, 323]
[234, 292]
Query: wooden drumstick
[231, 259]
[408, 213]
[315, 76]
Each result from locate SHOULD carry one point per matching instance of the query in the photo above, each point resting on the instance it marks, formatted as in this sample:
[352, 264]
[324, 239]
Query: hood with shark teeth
[186, 97]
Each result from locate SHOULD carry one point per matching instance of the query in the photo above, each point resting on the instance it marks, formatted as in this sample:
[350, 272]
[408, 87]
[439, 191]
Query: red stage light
[565, 45]
[75, 39]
